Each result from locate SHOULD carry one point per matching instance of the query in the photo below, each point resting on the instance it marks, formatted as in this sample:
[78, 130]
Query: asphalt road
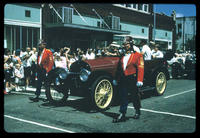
[173, 112]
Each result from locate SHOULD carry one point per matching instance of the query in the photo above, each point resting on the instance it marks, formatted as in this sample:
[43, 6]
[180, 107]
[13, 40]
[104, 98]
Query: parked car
[181, 68]
[96, 79]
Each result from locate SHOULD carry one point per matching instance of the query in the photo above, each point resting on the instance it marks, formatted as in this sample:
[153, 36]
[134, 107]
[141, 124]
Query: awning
[134, 36]
[83, 27]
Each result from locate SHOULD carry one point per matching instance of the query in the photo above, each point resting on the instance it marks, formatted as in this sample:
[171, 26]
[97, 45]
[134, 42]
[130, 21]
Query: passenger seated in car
[112, 49]
[156, 53]
[145, 50]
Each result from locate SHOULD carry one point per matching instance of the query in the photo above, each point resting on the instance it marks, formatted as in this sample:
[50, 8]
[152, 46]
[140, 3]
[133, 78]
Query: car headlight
[84, 74]
[63, 75]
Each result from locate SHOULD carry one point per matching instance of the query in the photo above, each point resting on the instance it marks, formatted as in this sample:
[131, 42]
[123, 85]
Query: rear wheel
[160, 83]
[102, 93]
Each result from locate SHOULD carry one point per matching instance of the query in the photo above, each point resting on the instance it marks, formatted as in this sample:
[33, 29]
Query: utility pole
[183, 34]
[41, 22]
[154, 26]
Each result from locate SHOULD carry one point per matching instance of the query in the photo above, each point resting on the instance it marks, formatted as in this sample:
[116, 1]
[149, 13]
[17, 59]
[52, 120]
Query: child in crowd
[18, 74]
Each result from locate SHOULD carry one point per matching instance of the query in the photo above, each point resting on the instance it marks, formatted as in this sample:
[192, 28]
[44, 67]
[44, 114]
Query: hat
[114, 44]
[42, 42]
[129, 39]
[152, 43]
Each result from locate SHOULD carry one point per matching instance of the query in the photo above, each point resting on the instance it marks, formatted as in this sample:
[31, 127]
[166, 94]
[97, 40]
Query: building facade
[22, 25]
[85, 25]
[91, 25]
[186, 33]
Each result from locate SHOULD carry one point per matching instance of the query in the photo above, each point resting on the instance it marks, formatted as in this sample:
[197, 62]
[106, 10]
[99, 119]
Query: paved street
[174, 112]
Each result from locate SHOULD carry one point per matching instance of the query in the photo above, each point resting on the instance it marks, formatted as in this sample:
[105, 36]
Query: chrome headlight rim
[63, 75]
[84, 74]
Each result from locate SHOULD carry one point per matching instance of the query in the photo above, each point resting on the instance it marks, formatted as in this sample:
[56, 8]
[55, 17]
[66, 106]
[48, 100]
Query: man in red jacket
[132, 67]
[45, 64]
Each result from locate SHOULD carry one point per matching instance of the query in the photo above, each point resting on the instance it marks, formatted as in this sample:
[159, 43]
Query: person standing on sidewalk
[45, 64]
[26, 60]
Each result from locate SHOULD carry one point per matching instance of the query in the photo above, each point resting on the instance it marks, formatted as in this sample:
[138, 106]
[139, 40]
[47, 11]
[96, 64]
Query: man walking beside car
[132, 68]
[45, 64]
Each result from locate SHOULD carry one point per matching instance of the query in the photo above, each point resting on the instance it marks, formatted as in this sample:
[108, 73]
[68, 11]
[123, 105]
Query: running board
[146, 89]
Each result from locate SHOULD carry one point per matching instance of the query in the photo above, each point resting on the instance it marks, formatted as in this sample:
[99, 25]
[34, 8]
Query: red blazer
[47, 60]
[135, 64]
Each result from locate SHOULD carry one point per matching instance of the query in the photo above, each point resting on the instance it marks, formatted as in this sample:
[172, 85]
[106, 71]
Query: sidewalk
[29, 90]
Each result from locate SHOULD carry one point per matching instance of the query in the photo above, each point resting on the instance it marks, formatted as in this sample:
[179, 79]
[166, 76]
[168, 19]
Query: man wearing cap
[132, 70]
[45, 63]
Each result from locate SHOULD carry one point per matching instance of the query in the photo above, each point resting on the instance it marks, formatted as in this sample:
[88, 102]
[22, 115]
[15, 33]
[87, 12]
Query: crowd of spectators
[19, 67]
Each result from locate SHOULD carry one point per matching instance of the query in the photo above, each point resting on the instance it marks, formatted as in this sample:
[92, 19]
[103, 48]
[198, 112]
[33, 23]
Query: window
[142, 30]
[129, 5]
[179, 27]
[145, 7]
[115, 22]
[179, 30]
[27, 13]
[140, 6]
[67, 14]
[98, 24]
[135, 6]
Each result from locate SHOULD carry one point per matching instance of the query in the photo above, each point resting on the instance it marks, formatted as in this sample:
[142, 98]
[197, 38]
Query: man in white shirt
[136, 48]
[145, 50]
[156, 53]
[27, 62]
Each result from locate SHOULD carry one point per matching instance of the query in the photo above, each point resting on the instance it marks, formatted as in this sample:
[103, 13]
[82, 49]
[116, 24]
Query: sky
[181, 9]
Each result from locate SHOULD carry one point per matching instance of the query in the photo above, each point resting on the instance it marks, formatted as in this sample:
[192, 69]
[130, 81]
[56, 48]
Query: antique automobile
[96, 80]
[180, 69]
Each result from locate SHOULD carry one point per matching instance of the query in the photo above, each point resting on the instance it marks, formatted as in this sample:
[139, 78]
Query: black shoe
[34, 99]
[137, 114]
[120, 118]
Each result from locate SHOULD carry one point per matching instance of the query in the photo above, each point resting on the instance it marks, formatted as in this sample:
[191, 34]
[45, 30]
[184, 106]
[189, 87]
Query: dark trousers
[33, 75]
[128, 85]
[41, 77]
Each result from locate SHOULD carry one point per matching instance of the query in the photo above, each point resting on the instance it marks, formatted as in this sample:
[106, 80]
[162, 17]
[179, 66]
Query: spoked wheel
[56, 93]
[102, 93]
[161, 83]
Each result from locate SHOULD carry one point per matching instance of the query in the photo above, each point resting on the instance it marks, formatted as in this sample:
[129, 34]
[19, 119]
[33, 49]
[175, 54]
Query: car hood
[103, 62]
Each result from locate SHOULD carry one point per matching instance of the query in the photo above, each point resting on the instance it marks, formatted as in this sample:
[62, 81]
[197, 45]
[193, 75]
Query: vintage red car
[97, 80]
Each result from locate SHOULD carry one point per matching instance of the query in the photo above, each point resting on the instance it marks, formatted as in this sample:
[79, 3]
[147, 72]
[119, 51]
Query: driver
[132, 70]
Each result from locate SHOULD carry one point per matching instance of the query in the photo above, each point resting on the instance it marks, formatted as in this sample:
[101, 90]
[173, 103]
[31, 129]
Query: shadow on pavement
[78, 105]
